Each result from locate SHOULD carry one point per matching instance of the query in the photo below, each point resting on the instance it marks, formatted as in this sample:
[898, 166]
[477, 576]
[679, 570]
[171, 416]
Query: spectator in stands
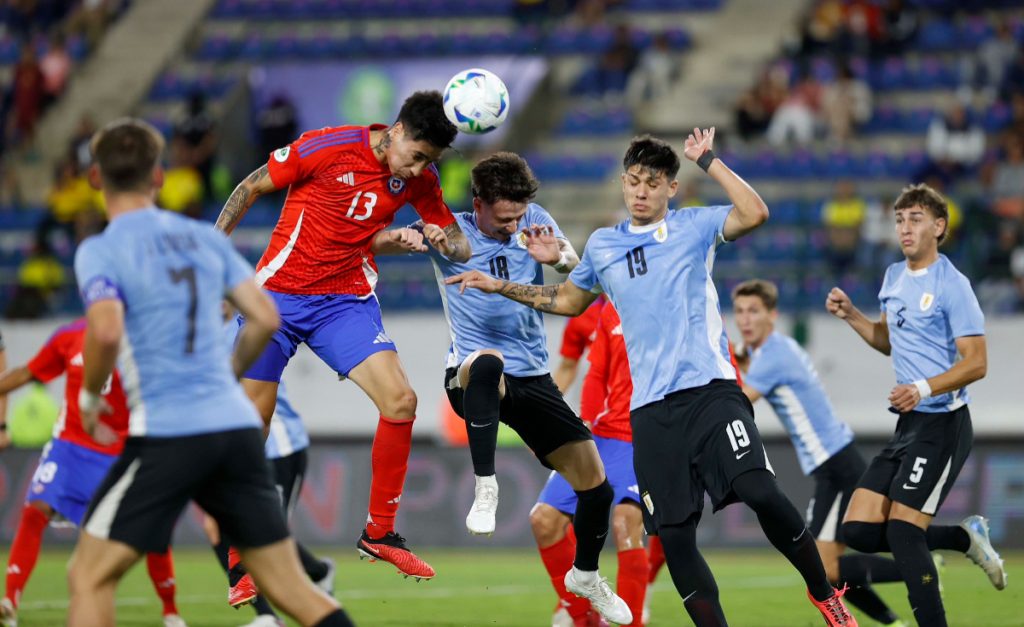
[28, 94]
[79, 149]
[199, 133]
[1007, 188]
[846, 103]
[91, 19]
[984, 71]
[72, 194]
[862, 27]
[655, 73]
[755, 108]
[182, 190]
[616, 63]
[278, 124]
[56, 68]
[843, 216]
[796, 118]
[821, 27]
[899, 27]
[39, 277]
[955, 145]
[1001, 286]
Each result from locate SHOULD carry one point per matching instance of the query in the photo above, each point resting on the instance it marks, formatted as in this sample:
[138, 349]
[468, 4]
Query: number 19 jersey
[659, 279]
[171, 273]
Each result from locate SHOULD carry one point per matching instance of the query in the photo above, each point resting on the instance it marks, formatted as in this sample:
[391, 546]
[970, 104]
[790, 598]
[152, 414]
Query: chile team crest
[396, 185]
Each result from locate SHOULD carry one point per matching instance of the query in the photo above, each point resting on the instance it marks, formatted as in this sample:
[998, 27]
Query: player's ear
[158, 177]
[397, 131]
[477, 204]
[941, 226]
[673, 187]
[95, 180]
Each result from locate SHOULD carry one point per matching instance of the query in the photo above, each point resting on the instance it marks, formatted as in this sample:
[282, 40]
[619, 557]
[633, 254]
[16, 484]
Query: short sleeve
[236, 268]
[765, 373]
[965, 316]
[428, 200]
[882, 290]
[710, 222]
[48, 363]
[539, 215]
[584, 276]
[96, 274]
[303, 158]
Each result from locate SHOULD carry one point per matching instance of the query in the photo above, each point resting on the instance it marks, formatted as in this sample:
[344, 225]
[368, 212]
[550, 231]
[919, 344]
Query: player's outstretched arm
[103, 332]
[875, 333]
[255, 185]
[11, 380]
[399, 241]
[972, 366]
[453, 245]
[749, 210]
[261, 323]
[564, 299]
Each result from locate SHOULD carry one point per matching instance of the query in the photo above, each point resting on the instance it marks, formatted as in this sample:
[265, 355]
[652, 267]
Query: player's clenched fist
[838, 303]
[408, 239]
[437, 238]
[475, 279]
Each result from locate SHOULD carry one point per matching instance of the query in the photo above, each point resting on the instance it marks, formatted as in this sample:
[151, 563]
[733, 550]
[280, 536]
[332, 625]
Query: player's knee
[600, 496]
[486, 370]
[865, 537]
[547, 524]
[627, 526]
[400, 404]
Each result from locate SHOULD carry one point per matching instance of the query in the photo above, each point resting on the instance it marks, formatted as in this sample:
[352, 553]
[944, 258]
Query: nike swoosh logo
[909, 487]
[740, 455]
[687, 597]
[800, 535]
[486, 424]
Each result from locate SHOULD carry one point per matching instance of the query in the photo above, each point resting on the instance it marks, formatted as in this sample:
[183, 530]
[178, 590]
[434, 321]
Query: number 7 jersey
[659, 279]
[339, 198]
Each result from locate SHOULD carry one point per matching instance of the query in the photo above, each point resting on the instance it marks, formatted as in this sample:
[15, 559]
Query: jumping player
[693, 429]
[497, 366]
[71, 468]
[152, 284]
[344, 186]
[930, 316]
[779, 370]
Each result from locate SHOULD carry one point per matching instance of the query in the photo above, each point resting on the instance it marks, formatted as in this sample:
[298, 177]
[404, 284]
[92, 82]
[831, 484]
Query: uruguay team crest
[926, 301]
[521, 239]
[396, 185]
[661, 234]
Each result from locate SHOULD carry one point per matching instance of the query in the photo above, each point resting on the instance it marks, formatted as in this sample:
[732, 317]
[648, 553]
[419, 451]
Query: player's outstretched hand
[905, 397]
[838, 303]
[408, 239]
[437, 238]
[542, 244]
[475, 279]
[698, 142]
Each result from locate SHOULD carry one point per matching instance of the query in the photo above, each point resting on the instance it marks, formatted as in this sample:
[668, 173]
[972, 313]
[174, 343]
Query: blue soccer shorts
[66, 478]
[617, 457]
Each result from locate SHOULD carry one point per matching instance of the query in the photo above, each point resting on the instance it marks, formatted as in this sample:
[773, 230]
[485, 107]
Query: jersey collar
[647, 228]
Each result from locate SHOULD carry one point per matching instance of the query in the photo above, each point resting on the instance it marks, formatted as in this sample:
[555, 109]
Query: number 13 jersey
[659, 279]
[339, 198]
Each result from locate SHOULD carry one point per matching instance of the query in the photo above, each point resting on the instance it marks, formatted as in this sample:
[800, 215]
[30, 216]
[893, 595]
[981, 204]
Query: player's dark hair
[504, 176]
[653, 154]
[922, 195]
[126, 151]
[423, 117]
[765, 290]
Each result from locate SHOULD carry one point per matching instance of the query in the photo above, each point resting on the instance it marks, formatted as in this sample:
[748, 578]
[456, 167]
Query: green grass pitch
[507, 588]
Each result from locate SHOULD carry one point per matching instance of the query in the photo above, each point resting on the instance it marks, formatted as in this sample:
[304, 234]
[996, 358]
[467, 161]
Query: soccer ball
[476, 101]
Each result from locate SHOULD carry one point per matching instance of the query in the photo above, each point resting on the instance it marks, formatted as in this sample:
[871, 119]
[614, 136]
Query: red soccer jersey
[607, 388]
[62, 354]
[579, 331]
[339, 198]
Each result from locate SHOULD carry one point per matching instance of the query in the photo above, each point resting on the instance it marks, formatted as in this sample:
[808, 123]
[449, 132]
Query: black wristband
[704, 161]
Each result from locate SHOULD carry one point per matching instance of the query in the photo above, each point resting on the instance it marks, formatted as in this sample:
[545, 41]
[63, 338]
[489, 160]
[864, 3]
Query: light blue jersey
[478, 320]
[659, 279]
[287, 433]
[926, 311]
[783, 373]
[171, 273]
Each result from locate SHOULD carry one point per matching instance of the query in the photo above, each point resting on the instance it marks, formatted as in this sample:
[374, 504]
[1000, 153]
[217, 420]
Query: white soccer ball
[476, 101]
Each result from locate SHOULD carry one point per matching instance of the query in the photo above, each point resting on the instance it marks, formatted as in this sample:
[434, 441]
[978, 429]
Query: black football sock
[867, 600]
[315, 568]
[591, 523]
[858, 570]
[337, 618]
[260, 603]
[784, 528]
[948, 537]
[690, 573]
[910, 550]
[481, 403]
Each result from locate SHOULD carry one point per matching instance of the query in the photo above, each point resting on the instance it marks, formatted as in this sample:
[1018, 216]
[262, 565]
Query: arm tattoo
[240, 201]
[539, 297]
[457, 243]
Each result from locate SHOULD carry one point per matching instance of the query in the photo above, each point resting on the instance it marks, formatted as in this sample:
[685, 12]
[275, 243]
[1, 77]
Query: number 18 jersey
[659, 279]
[171, 273]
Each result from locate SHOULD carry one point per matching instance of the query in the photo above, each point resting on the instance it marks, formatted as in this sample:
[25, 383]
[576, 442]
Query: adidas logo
[395, 500]
[382, 339]
[77, 360]
[348, 178]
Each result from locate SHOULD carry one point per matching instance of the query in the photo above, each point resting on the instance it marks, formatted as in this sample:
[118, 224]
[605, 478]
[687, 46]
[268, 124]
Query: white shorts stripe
[831, 524]
[932, 503]
[103, 516]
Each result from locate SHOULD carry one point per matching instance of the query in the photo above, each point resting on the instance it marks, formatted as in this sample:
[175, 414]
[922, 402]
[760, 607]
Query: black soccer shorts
[834, 483]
